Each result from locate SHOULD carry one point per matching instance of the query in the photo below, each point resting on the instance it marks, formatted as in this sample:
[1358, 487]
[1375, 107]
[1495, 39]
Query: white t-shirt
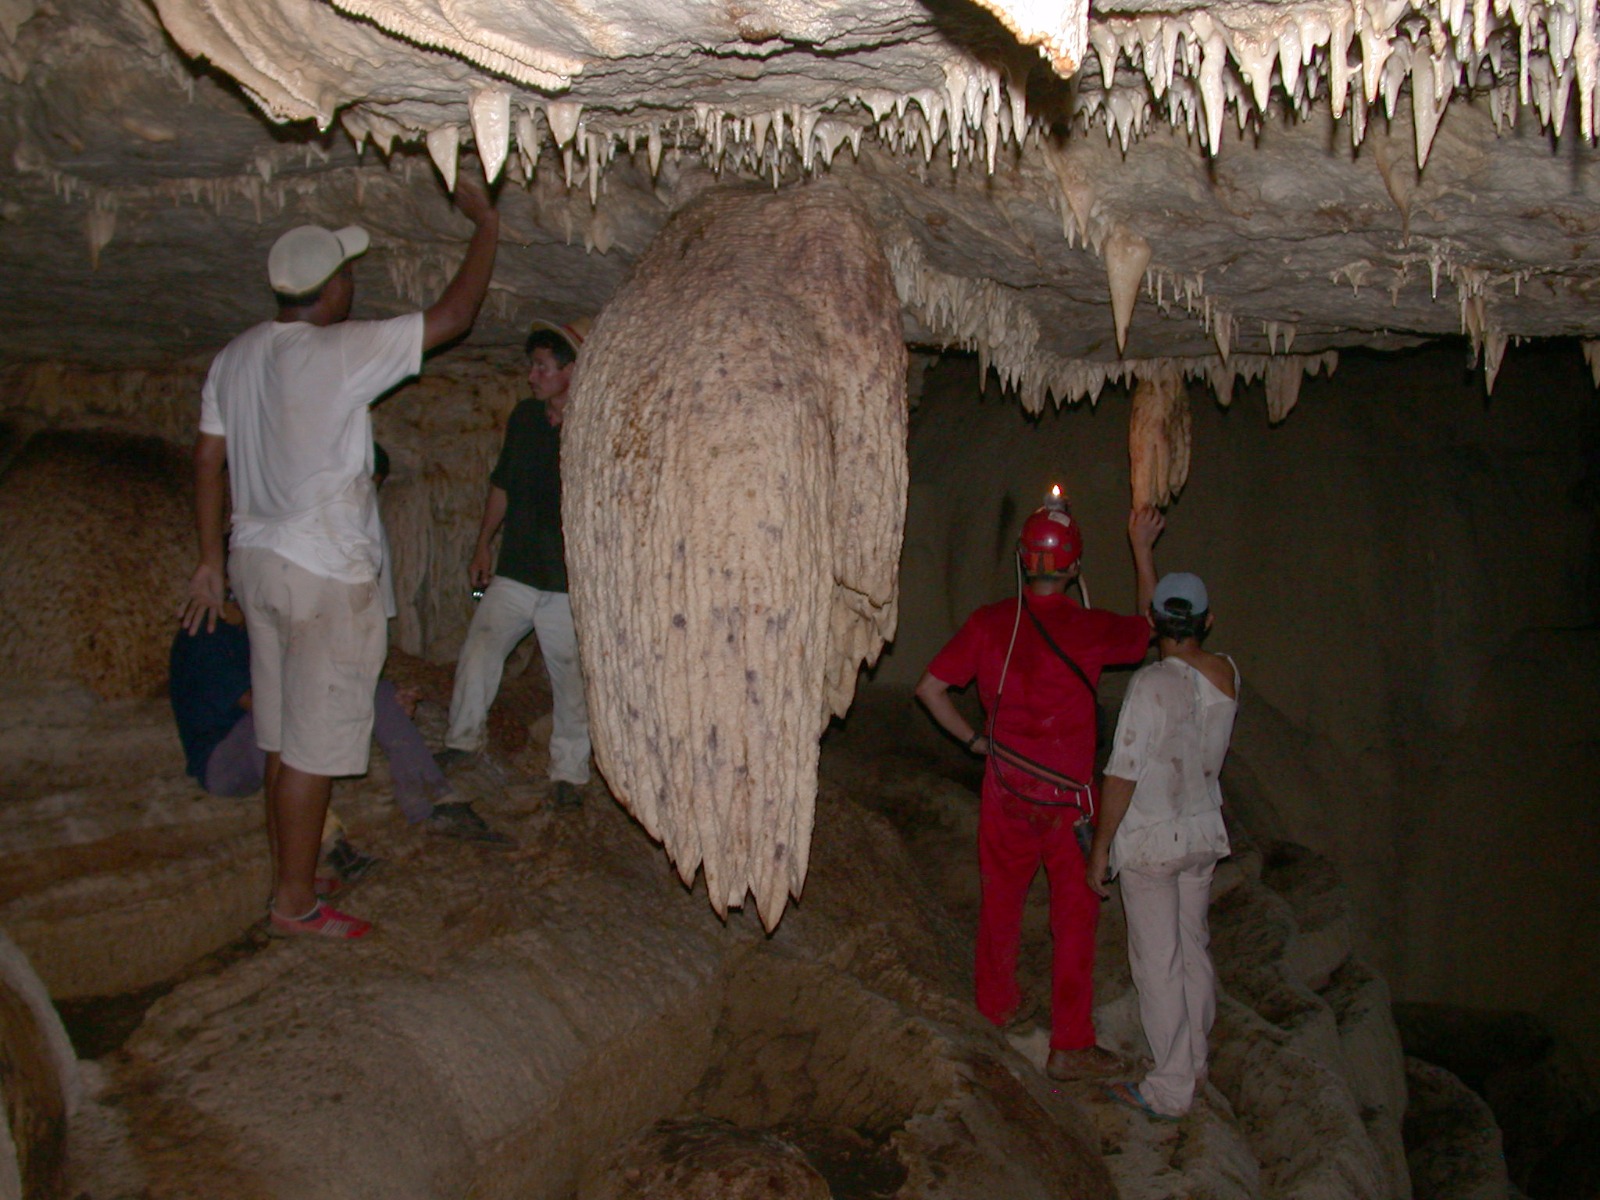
[1171, 739]
[291, 399]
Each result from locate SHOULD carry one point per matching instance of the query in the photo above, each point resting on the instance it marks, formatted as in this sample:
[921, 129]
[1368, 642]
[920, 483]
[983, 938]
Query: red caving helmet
[1051, 542]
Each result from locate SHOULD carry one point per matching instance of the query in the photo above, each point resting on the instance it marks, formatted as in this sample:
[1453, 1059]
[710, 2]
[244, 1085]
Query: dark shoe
[345, 865]
[458, 820]
[566, 796]
[450, 758]
[1024, 1017]
[1129, 1096]
[1089, 1063]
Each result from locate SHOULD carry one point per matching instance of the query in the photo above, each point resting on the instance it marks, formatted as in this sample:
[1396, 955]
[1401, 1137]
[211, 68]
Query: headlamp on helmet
[1051, 542]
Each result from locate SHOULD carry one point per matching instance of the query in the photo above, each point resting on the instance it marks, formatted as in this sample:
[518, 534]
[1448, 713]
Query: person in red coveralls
[1037, 661]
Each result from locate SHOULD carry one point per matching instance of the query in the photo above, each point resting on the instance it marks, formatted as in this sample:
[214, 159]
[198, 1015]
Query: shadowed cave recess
[867, 279]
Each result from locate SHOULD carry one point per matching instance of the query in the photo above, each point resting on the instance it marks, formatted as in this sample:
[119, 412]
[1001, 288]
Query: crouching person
[1161, 833]
[212, 703]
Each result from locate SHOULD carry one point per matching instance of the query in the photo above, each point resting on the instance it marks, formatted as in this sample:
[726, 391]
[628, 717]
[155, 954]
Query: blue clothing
[210, 672]
[207, 675]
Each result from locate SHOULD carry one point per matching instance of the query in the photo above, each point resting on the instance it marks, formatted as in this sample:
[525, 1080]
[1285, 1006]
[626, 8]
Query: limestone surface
[1231, 189]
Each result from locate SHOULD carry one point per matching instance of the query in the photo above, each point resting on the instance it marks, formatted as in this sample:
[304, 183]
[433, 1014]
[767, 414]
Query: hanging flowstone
[734, 490]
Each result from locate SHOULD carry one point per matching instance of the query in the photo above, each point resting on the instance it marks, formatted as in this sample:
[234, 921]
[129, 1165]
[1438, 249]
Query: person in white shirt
[285, 410]
[1161, 832]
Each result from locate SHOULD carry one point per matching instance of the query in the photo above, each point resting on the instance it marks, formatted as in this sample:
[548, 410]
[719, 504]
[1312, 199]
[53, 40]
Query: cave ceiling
[1239, 182]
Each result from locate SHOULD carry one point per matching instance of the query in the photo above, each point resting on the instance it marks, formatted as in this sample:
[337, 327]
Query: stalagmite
[1127, 255]
[1158, 439]
[734, 481]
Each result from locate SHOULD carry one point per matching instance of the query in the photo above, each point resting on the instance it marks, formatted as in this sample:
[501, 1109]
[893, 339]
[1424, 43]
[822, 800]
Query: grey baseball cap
[1179, 594]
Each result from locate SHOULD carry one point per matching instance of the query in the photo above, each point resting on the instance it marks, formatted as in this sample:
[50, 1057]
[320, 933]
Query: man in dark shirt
[528, 591]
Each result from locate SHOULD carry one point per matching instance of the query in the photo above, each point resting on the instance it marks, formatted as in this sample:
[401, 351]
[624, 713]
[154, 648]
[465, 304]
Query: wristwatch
[972, 742]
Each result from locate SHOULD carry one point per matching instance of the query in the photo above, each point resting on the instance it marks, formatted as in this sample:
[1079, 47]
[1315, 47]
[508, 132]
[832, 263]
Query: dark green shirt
[529, 472]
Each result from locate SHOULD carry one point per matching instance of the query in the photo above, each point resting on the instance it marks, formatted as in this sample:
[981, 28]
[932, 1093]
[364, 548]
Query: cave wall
[1403, 569]
[442, 431]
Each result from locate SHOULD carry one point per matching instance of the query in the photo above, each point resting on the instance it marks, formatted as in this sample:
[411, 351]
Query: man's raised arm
[453, 313]
[1144, 527]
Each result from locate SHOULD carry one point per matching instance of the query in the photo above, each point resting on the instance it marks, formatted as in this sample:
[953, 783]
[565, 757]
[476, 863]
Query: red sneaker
[321, 921]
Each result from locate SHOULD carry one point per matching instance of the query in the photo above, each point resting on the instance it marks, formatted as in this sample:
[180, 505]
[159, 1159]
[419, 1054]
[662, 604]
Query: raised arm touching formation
[1144, 527]
[453, 313]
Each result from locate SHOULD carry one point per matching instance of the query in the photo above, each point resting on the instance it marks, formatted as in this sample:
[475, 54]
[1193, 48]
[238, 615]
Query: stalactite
[734, 517]
[1159, 432]
[1127, 255]
[444, 143]
[491, 129]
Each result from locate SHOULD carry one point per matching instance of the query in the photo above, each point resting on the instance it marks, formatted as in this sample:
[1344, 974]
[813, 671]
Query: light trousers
[1169, 956]
[508, 612]
[238, 767]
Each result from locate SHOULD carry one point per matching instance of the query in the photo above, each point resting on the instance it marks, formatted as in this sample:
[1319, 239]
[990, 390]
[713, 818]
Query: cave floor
[218, 1049]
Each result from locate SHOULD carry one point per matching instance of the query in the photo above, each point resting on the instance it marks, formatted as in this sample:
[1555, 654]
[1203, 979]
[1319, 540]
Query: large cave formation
[1317, 276]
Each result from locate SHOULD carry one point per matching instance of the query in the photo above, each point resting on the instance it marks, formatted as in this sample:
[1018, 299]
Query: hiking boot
[458, 820]
[566, 796]
[1089, 1063]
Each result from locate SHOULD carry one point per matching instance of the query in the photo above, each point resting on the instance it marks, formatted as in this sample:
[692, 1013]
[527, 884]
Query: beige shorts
[317, 646]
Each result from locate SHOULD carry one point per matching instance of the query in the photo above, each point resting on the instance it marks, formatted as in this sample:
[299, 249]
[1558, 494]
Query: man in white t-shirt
[1161, 832]
[285, 410]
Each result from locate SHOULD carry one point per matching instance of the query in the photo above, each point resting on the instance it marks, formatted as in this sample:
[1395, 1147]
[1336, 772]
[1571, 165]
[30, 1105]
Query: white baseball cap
[306, 257]
[1179, 595]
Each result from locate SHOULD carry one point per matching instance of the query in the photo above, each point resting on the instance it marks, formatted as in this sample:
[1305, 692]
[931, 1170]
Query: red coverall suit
[1046, 713]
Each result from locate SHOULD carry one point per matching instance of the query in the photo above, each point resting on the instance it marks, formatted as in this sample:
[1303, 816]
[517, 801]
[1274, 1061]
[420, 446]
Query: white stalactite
[562, 117]
[1591, 355]
[100, 225]
[733, 512]
[1127, 255]
[444, 144]
[491, 129]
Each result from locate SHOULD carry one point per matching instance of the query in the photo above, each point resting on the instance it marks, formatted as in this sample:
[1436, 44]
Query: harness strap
[1060, 653]
[1037, 770]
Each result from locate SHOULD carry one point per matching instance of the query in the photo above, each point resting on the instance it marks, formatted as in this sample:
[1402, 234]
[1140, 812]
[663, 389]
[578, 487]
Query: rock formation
[1244, 176]
[492, 1038]
[40, 1087]
[734, 479]
[1158, 440]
